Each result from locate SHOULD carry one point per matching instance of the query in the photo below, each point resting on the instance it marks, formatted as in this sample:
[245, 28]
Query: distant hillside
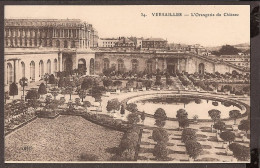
[242, 47]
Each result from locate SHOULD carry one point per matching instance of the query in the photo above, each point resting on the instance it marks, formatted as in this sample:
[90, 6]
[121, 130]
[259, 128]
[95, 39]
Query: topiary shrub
[193, 148]
[160, 135]
[188, 134]
[160, 151]
[160, 114]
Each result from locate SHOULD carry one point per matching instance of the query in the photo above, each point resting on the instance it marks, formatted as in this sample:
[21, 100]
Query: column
[156, 64]
[178, 65]
[63, 33]
[16, 70]
[165, 63]
[60, 62]
[187, 65]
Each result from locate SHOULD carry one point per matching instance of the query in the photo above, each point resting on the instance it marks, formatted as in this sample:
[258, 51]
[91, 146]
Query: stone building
[34, 47]
[239, 60]
[154, 43]
[172, 62]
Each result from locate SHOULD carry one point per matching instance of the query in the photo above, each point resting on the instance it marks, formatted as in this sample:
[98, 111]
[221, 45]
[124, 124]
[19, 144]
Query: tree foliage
[188, 134]
[133, 118]
[193, 148]
[160, 114]
[228, 136]
[13, 89]
[219, 125]
[234, 114]
[42, 89]
[244, 125]
[160, 135]
[214, 114]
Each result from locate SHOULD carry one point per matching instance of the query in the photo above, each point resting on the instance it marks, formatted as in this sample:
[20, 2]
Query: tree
[34, 103]
[244, 125]
[23, 82]
[32, 94]
[113, 104]
[42, 89]
[193, 148]
[234, 114]
[87, 83]
[13, 89]
[122, 110]
[228, 136]
[82, 94]
[160, 151]
[86, 104]
[169, 82]
[132, 107]
[52, 79]
[96, 92]
[158, 80]
[117, 84]
[182, 117]
[133, 118]
[107, 82]
[46, 78]
[198, 101]
[70, 85]
[130, 83]
[7, 97]
[160, 114]
[61, 82]
[214, 114]
[160, 135]
[143, 116]
[227, 50]
[184, 123]
[147, 83]
[219, 126]
[240, 152]
[55, 92]
[188, 134]
[181, 114]
[77, 102]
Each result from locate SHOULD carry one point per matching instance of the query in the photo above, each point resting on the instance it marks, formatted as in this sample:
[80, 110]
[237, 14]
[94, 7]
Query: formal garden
[129, 117]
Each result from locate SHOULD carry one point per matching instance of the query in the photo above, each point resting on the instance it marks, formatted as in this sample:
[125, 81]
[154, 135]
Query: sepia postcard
[127, 83]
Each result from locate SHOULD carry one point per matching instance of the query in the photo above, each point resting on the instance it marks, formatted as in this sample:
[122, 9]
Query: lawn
[62, 139]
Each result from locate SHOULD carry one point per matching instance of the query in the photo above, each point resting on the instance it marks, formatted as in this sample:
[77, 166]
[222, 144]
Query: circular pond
[194, 105]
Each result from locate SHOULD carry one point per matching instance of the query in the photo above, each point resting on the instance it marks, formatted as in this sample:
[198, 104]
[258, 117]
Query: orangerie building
[34, 47]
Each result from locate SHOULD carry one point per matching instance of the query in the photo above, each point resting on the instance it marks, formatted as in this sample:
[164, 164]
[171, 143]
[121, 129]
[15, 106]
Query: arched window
[32, 70]
[82, 66]
[49, 66]
[106, 63]
[92, 66]
[41, 69]
[73, 44]
[10, 73]
[23, 69]
[120, 65]
[149, 66]
[134, 65]
[55, 65]
[65, 44]
[201, 68]
[58, 44]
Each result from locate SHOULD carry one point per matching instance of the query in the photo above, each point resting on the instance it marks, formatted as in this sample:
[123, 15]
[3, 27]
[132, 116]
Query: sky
[126, 20]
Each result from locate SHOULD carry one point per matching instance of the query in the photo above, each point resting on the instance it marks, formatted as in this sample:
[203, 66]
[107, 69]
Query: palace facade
[34, 47]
